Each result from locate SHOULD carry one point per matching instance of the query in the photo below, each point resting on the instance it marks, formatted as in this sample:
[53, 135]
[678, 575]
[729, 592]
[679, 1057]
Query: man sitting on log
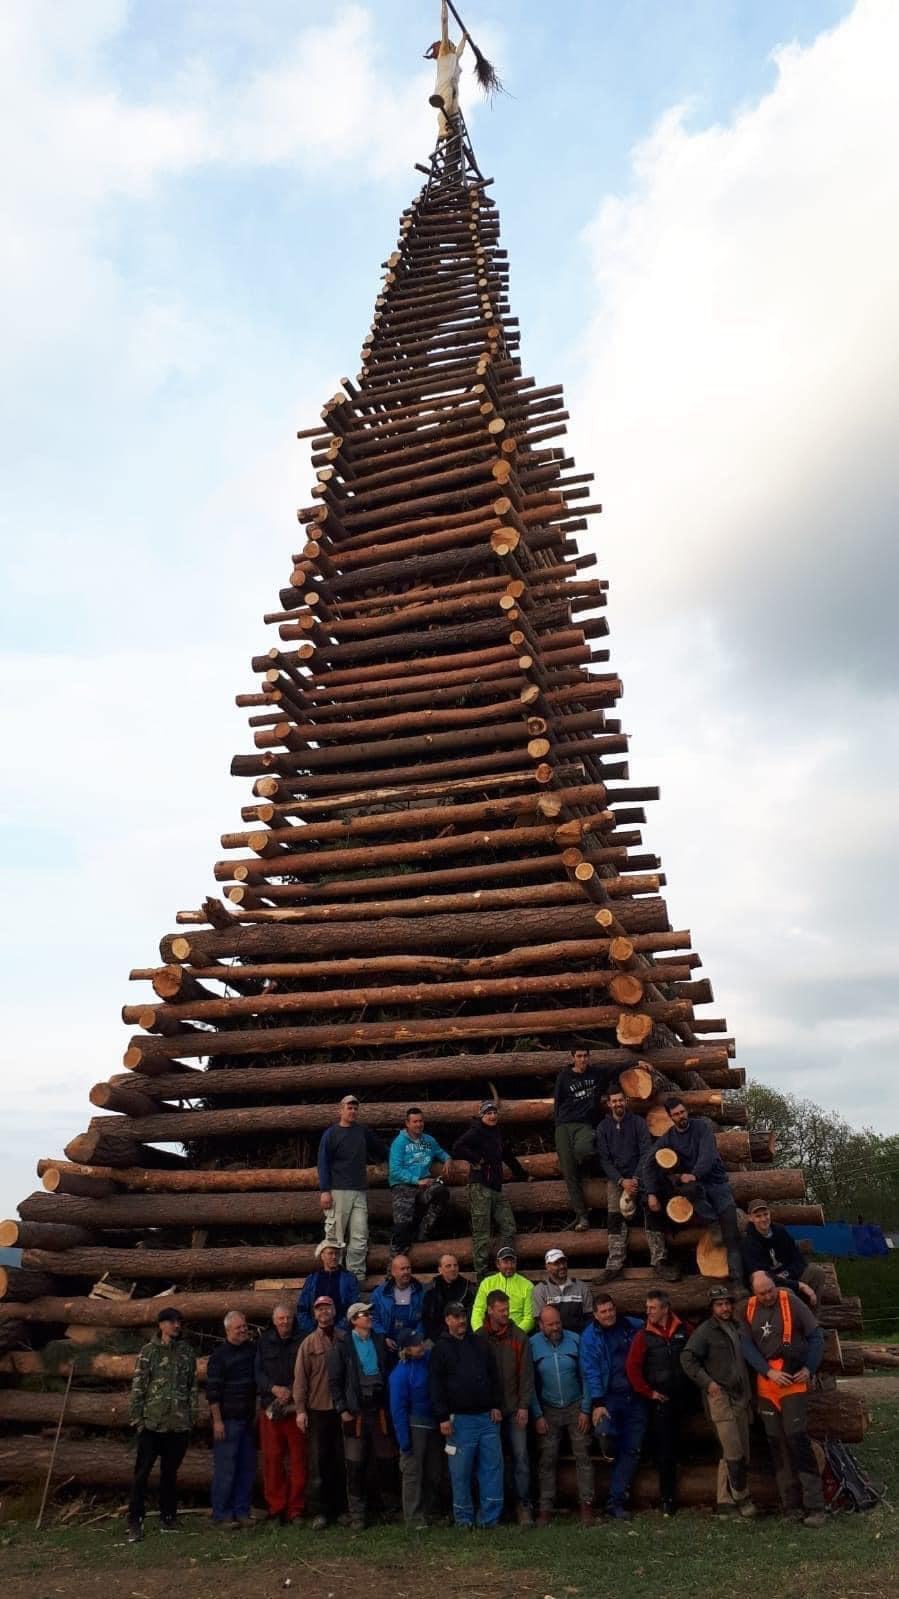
[163, 1408]
[655, 1372]
[466, 1396]
[509, 1280]
[576, 1111]
[419, 1199]
[396, 1304]
[713, 1360]
[483, 1146]
[573, 1299]
[784, 1345]
[770, 1248]
[331, 1282]
[343, 1156]
[561, 1406]
[622, 1143]
[357, 1373]
[618, 1414]
[699, 1176]
[231, 1391]
[448, 1286]
[512, 1354]
[279, 1436]
[316, 1417]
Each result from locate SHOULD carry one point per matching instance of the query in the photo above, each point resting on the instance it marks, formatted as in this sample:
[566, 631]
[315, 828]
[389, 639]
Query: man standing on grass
[466, 1396]
[418, 1198]
[655, 1372]
[618, 1414]
[357, 1372]
[576, 1111]
[282, 1443]
[485, 1149]
[231, 1391]
[163, 1408]
[512, 1354]
[561, 1405]
[784, 1345]
[317, 1419]
[343, 1156]
[713, 1360]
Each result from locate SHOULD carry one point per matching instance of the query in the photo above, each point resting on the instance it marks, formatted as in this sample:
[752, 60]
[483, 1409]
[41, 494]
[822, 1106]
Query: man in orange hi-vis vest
[783, 1345]
[447, 55]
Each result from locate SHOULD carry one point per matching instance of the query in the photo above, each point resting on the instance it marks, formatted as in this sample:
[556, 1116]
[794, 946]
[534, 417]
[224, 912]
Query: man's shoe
[586, 1512]
[582, 1224]
[319, 1523]
[747, 1509]
[169, 1524]
[815, 1518]
[609, 1273]
[135, 1531]
[669, 1508]
[726, 1512]
[243, 1521]
[357, 1523]
[524, 1516]
[619, 1513]
[543, 1518]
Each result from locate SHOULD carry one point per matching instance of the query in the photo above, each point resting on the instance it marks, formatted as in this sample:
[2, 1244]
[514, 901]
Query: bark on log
[24, 1282]
[34, 1235]
[107, 1368]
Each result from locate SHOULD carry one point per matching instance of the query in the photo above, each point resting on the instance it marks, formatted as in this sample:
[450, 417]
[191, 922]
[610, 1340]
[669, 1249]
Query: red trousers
[283, 1480]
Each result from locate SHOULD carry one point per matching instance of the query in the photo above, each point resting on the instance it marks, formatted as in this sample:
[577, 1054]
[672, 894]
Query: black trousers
[327, 1486]
[169, 1448]
[664, 1443]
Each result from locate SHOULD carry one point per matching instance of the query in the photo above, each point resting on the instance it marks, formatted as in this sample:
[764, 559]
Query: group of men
[462, 1377]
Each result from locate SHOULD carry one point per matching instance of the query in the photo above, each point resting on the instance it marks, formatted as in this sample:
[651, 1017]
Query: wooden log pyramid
[438, 888]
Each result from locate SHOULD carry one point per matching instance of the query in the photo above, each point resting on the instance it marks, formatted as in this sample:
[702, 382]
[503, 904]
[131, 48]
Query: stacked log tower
[438, 889]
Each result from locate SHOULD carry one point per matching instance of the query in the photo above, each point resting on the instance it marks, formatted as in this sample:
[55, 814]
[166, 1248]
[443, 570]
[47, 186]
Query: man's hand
[600, 1413]
[326, 1199]
[687, 1177]
[653, 1202]
[802, 1375]
[391, 1344]
[541, 1427]
[281, 1394]
[218, 1431]
[714, 1390]
[808, 1293]
[780, 1379]
[302, 1421]
[423, 1182]
[629, 1185]
[347, 1415]
[583, 1422]
[446, 1427]
[661, 1399]
[520, 1418]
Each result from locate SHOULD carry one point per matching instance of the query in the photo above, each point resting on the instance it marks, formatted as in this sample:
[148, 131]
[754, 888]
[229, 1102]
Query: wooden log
[107, 1142]
[107, 1368]
[387, 1114]
[260, 1209]
[59, 1179]
[20, 1282]
[679, 1210]
[875, 1355]
[34, 1235]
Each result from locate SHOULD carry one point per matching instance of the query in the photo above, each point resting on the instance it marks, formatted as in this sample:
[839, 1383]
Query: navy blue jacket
[604, 1356]
[696, 1150]
[621, 1146]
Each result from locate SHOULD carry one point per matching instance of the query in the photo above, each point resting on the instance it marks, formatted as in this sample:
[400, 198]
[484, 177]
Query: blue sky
[700, 205]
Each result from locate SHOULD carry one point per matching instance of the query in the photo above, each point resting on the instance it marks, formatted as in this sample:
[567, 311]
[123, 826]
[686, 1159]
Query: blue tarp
[838, 1238]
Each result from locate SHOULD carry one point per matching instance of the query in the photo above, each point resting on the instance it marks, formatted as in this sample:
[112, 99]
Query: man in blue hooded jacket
[397, 1304]
[418, 1198]
[618, 1413]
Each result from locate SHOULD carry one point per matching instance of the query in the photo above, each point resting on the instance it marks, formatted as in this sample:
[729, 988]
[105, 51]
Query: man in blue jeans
[231, 1392]
[467, 1401]
[699, 1176]
[617, 1412]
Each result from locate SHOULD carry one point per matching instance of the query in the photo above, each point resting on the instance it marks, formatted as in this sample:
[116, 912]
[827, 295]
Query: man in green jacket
[519, 1290]
[163, 1408]
[713, 1360]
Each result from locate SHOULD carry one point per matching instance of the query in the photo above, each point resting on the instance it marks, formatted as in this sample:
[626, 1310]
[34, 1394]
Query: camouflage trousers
[416, 1212]
[490, 1212]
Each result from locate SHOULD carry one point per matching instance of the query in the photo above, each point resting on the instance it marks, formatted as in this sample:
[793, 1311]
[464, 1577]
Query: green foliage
[876, 1281]
[850, 1172]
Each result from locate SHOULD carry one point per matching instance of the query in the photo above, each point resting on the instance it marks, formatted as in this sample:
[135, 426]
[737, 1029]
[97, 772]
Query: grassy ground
[877, 1281]
[855, 1557]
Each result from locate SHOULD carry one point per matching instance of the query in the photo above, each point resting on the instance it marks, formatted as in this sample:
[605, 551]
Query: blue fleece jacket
[388, 1317]
[603, 1355]
[558, 1379]
[410, 1398]
[412, 1158]
[341, 1286]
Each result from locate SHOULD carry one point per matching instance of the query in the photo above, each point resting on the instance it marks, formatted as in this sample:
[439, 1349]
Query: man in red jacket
[654, 1371]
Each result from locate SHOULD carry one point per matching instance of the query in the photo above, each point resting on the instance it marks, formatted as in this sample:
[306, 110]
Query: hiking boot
[581, 1225]
[610, 1272]
[586, 1513]
[815, 1518]
[619, 1513]
[668, 1272]
[543, 1517]
[669, 1509]
[524, 1516]
[135, 1531]
[357, 1523]
[319, 1523]
[747, 1509]
[169, 1524]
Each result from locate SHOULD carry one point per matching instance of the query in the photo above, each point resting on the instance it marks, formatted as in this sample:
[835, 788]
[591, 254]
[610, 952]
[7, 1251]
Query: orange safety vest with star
[765, 1388]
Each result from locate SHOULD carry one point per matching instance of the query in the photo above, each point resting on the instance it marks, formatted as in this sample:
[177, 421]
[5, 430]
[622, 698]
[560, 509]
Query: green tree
[850, 1172]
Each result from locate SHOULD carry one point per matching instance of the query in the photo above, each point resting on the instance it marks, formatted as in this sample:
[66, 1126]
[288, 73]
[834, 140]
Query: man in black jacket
[485, 1149]
[713, 1360]
[576, 1111]
[770, 1248]
[231, 1392]
[280, 1440]
[622, 1142]
[357, 1373]
[448, 1286]
[466, 1394]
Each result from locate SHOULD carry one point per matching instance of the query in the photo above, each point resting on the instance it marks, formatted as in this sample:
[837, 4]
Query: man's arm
[304, 1317]
[300, 1384]
[337, 1358]
[708, 1150]
[437, 1382]
[381, 1314]
[260, 1377]
[479, 1308]
[535, 1407]
[752, 1355]
[324, 1161]
[528, 1319]
[439, 1153]
[695, 1352]
[526, 1377]
[139, 1385]
[398, 1390]
[514, 1164]
[610, 1170]
[395, 1169]
[634, 1367]
[193, 1395]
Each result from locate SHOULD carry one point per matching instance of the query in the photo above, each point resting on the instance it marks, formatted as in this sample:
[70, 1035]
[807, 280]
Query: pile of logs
[438, 889]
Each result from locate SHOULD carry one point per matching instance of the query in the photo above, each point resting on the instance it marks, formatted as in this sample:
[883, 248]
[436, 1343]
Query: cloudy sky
[701, 203]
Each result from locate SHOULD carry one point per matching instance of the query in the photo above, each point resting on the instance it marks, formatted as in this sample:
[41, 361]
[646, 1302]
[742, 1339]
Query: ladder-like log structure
[438, 888]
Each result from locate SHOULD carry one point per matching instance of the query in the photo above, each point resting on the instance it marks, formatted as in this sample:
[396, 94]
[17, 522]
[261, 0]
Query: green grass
[855, 1557]
[877, 1283]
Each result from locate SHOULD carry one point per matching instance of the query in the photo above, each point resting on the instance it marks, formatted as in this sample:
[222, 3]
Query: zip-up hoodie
[389, 1318]
[409, 1388]
[558, 1379]
[604, 1352]
[521, 1300]
[411, 1158]
[654, 1359]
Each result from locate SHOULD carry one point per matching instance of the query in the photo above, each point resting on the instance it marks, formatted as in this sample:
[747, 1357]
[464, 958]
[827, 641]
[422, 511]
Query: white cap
[553, 1255]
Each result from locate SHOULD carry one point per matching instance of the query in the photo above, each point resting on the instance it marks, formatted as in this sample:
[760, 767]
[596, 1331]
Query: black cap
[170, 1313]
[455, 1308]
[408, 1338]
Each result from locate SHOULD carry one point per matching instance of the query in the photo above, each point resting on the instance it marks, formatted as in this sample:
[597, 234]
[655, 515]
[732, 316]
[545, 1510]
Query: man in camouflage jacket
[163, 1408]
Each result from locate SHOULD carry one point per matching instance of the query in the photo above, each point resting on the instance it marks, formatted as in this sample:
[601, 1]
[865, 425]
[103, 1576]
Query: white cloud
[741, 382]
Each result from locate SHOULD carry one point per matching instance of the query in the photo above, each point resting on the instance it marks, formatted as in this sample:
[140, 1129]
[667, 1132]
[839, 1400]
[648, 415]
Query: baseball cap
[757, 1204]
[719, 1292]
[488, 1105]
[551, 1256]
[455, 1308]
[357, 1309]
[408, 1338]
[507, 1253]
[324, 1244]
[169, 1313]
[350, 1099]
[323, 1299]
